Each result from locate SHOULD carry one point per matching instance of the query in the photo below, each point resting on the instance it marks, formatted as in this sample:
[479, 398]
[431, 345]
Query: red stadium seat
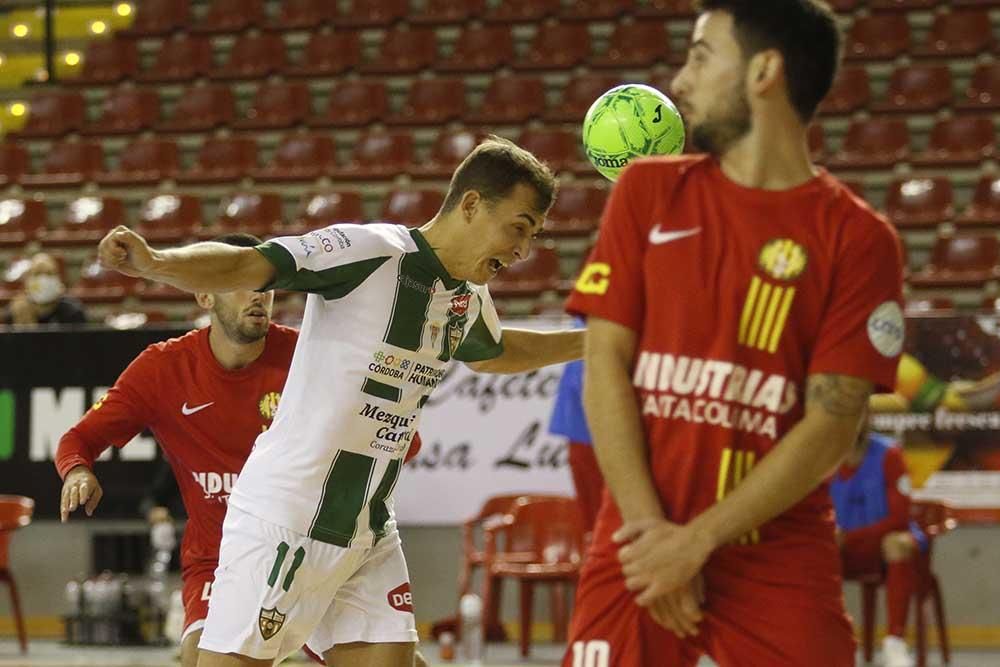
[480, 49]
[917, 88]
[576, 210]
[521, 11]
[53, 114]
[404, 50]
[322, 209]
[872, 144]
[143, 162]
[985, 206]
[155, 18]
[126, 111]
[67, 164]
[99, 285]
[596, 10]
[299, 157]
[277, 105]
[221, 160]
[13, 163]
[411, 207]
[377, 154]
[20, 221]
[537, 274]
[560, 149]
[556, 46]
[958, 33]
[254, 213]
[15, 512]
[108, 61]
[664, 9]
[959, 140]
[302, 15]
[960, 260]
[510, 99]
[372, 13]
[844, 5]
[448, 150]
[327, 53]
[919, 202]
[169, 218]
[902, 5]
[86, 221]
[431, 102]
[226, 16]
[253, 57]
[180, 58]
[352, 104]
[201, 108]
[635, 44]
[578, 96]
[444, 12]
[984, 89]
[877, 37]
[662, 80]
[935, 305]
[850, 92]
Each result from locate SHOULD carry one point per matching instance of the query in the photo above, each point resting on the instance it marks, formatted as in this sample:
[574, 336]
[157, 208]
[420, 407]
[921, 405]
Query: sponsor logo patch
[400, 598]
[594, 279]
[459, 304]
[886, 330]
[783, 259]
[270, 621]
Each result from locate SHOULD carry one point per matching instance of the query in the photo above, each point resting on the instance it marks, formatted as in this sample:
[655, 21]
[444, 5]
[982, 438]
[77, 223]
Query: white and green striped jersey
[382, 321]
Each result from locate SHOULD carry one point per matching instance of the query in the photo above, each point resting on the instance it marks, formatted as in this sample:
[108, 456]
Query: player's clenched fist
[126, 252]
[79, 488]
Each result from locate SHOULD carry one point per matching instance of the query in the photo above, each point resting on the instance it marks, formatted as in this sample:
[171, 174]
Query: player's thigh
[189, 649]
[373, 606]
[363, 654]
[213, 659]
[609, 629]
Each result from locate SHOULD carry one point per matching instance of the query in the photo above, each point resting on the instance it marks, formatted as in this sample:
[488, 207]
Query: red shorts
[862, 559]
[197, 586]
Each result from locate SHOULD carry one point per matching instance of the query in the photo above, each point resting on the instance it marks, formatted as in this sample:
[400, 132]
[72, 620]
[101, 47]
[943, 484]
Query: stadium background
[185, 119]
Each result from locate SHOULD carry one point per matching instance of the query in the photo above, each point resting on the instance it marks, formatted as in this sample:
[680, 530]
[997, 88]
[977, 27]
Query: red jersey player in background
[206, 396]
[741, 307]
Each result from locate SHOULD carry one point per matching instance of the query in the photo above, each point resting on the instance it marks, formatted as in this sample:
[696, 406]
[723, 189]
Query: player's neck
[447, 245]
[230, 354]
[774, 155]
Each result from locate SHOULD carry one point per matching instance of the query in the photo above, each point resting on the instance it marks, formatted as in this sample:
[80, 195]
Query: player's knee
[213, 659]
[897, 546]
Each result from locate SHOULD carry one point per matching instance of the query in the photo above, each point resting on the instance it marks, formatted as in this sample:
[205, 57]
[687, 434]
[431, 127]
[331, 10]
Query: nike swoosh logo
[186, 411]
[658, 237]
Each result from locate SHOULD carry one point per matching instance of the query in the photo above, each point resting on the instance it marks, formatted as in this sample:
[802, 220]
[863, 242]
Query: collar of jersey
[433, 263]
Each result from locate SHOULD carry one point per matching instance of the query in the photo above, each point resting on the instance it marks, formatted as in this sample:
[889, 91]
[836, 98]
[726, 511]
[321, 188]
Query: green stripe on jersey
[414, 289]
[333, 283]
[479, 343]
[382, 390]
[344, 495]
[378, 513]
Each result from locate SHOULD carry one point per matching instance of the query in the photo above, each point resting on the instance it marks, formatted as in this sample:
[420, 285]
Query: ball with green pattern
[627, 122]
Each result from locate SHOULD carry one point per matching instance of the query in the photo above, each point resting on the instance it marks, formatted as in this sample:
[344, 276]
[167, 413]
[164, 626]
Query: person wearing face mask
[44, 300]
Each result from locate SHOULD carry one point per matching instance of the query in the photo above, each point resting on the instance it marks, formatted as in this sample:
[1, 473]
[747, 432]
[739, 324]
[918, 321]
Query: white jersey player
[310, 552]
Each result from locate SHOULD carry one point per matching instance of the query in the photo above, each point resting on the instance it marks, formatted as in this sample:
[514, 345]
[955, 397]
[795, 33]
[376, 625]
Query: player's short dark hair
[494, 168]
[239, 239]
[806, 34]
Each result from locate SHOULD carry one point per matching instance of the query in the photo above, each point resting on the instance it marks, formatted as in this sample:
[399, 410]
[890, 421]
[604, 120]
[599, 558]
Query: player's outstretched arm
[526, 350]
[200, 267]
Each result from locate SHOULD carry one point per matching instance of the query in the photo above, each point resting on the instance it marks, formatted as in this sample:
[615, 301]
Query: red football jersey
[204, 417]
[737, 295]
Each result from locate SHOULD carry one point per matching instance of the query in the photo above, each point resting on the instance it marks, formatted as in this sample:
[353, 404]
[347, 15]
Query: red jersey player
[741, 307]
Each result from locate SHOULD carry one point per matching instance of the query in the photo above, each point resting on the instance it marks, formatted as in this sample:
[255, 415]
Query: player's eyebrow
[701, 42]
[534, 223]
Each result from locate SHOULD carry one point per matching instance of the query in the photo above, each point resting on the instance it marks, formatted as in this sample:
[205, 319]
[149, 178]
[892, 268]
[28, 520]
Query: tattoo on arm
[840, 395]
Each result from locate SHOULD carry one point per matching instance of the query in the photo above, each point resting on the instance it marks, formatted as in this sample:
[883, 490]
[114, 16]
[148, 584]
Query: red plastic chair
[53, 114]
[353, 104]
[327, 53]
[960, 260]
[938, 306]
[560, 149]
[543, 544]
[522, 11]
[635, 44]
[97, 284]
[873, 143]
[276, 105]
[143, 161]
[253, 57]
[664, 9]
[108, 61]
[903, 5]
[450, 147]
[377, 155]
[169, 218]
[154, 18]
[479, 49]
[15, 512]
[404, 50]
[431, 102]
[181, 58]
[201, 108]
[372, 13]
[958, 33]
[936, 519]
[299, 157]
[877, 37]
[411, 207]
[20, 221]
[985, 206]
[68, 163]
[322, 209]
[302, 15]
[86, 221]
[230, 16]
[445, 12]
[250, 212]
[958, 141]
[221, 160]
[984, 89]
[126, 111]
[596, 10]
[578, 95]
[917, 88]
[510, 100]
[850, 92]
[919, 202]
[531, 277]
[556, 46]
[14, 163]
[576, 211]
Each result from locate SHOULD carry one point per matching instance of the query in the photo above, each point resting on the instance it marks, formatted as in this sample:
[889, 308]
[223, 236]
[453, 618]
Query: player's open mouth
[496, 265]
[257, 314]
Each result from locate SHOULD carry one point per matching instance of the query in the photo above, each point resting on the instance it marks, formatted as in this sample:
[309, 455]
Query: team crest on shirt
[270, 621]
[459, 305]
[783, 259]
[268, 404]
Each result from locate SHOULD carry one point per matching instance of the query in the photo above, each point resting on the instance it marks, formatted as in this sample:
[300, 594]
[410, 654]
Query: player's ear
[469, 203]
[206, 301]
[765, 70]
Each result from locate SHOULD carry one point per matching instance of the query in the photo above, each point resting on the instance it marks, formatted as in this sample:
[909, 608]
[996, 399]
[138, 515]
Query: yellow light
[18, 109]
[72, 58]
[1, 60]
[98, 27]
[20, 30]
[123, 9]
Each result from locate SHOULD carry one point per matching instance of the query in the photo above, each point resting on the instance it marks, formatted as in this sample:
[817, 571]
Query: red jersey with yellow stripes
[738, 295]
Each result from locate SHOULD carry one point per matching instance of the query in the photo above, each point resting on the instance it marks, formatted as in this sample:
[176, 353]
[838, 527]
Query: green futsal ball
[627, 122]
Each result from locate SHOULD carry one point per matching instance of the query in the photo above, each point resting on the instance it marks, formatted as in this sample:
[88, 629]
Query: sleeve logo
[594, 279]
[885, 329]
